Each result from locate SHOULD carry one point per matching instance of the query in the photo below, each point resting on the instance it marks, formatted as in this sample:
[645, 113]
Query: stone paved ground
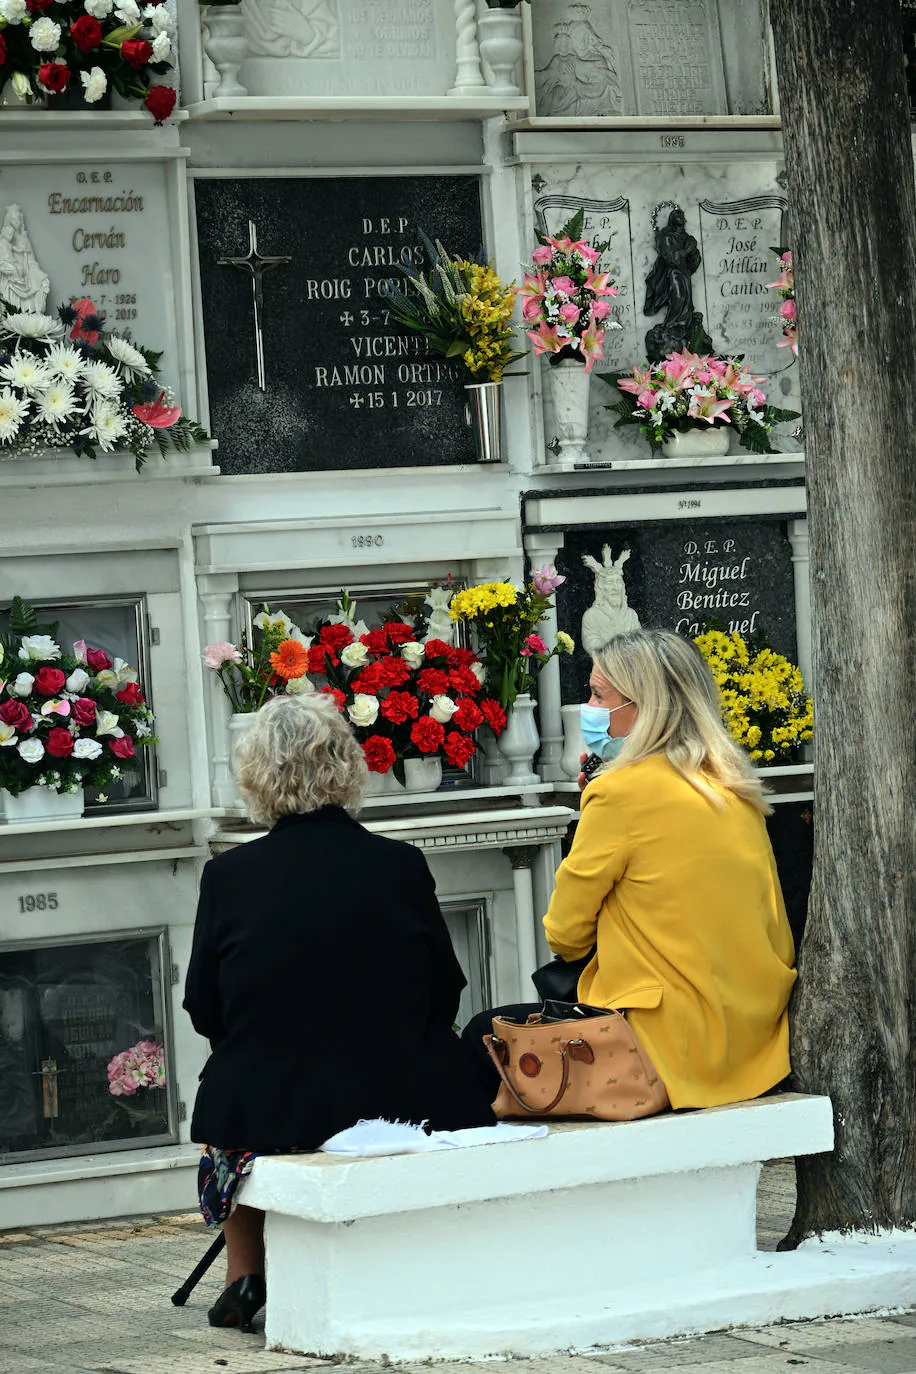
[94, 1299]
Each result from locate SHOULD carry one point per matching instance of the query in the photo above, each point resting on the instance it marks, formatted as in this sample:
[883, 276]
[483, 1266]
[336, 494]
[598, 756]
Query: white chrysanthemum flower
[129, 357]
[12, 413]
[95, 84]
[58, 403]
[128, 11]
[65, 361]
[31, 325]
[162, 47]
[106, 427]
[158, 17]
[27, 372]
[102, 381]
[99, 9]
[13, 11]
[44, 35]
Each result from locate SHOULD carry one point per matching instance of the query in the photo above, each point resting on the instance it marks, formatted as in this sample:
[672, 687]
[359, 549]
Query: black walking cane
[181, 1295]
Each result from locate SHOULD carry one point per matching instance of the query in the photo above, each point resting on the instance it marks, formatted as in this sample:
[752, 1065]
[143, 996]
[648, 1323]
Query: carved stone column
[543, 548]
[522, 857]
[468, 76]
[798, 538]
[217, 599]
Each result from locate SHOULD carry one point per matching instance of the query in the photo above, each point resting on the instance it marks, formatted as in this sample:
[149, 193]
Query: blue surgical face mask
[594, 722]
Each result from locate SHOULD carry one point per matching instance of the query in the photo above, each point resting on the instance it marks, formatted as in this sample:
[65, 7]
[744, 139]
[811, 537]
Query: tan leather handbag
[589, 1064]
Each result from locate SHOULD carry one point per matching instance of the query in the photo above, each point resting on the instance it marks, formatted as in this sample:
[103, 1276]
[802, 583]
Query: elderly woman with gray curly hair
[300, 936]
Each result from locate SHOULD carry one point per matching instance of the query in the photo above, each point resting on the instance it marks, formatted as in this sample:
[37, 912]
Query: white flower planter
[382, 785]
[422, 775]
[569, 390]
[41, 804]
[499, 35]
[709, 442]
[519, 743]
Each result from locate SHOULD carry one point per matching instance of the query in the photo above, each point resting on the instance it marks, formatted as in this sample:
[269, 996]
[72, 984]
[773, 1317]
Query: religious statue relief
[293, 28]
[23, 283]
[668, 288]
[581, 76]
[609, 614]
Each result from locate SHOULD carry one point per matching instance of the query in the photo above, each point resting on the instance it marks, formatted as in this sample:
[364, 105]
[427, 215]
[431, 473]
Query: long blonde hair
[666, 677]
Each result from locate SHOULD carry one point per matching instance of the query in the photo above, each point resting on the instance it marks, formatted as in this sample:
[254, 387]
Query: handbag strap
[535, 1111]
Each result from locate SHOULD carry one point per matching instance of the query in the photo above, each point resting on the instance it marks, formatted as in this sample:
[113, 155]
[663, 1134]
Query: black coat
[323, 975]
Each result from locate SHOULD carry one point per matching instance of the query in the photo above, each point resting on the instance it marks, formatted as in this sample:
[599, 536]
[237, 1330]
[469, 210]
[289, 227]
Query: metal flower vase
[519, 743]
[569, 392]
[482, 414]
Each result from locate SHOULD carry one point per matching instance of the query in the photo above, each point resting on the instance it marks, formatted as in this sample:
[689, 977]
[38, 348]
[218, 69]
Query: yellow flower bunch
[474, 602]
[764, 704]
[486, 310]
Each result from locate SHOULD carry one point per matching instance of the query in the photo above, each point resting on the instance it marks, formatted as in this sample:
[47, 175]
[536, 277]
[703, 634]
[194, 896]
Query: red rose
[379, 753]
[458, 748]
[17, 714]
[437, 648]
[83, 710]
[122, 748]
[2, 50]
[433, 680]
[49, 681]
[337, 637]
[463, 680]
[136, 52]
[468, 716]
[376, 641]
[400, 706]
[131, 695]
[86, 32]
[160, 100]
[54, 76]
[393, 672]
[494, 715]
[427, 734]
[368, 681]
[59, 743]
[339, 699]
[97, 659]
[398, 631]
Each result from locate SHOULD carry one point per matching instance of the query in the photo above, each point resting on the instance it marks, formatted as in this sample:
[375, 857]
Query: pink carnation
[533, 645]
[215, 655]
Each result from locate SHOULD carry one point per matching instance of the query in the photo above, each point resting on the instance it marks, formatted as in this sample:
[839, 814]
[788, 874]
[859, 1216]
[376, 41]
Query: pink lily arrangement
[566, 301]
[690, 391]
[785, 288]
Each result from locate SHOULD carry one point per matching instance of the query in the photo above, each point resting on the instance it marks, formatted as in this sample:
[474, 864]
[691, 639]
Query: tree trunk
[850, 174]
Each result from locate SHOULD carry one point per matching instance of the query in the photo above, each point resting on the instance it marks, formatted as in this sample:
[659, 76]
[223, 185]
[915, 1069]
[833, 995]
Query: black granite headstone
[344, 386]
[685, 575]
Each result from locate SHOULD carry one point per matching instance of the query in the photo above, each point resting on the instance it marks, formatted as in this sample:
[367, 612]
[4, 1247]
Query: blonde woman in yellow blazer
[671, 878]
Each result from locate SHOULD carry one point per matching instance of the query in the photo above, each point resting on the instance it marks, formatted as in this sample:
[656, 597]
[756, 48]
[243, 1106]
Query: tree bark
[849, 161]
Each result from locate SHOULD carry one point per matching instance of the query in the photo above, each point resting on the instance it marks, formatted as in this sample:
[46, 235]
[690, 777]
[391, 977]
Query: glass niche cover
[82, 1047]
[118, 626]
[468, 925]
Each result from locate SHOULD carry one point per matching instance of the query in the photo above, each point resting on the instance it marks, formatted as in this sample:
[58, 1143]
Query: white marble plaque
[397, 48]
[676, 56]
[581, 60]
[742, 314]
[101, 230]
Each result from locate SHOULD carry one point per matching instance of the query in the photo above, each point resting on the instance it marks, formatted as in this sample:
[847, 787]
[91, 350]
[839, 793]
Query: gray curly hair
[297, 755]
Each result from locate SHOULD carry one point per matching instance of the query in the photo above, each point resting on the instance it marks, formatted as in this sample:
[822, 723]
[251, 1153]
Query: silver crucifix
[255, 263]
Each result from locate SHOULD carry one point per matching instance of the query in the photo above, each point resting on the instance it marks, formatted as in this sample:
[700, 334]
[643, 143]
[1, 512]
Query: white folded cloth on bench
[381, 1137]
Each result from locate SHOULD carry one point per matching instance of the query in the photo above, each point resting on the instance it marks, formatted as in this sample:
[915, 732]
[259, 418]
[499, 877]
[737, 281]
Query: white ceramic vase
[382, 785]
[569, 388]
[41, 804]
[709, 442]
[499, 34]
[574, 745]
[519, 743]
[239, 721]
[226, 46]
[423, 775]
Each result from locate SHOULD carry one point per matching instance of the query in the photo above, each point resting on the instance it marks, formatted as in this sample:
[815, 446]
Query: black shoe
[237, 1304]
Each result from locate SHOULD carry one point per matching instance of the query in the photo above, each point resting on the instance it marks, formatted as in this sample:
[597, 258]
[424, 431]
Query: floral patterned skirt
[219, 1174]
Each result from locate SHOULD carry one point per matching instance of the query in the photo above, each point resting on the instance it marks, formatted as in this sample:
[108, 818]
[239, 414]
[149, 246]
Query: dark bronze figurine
[668, 288]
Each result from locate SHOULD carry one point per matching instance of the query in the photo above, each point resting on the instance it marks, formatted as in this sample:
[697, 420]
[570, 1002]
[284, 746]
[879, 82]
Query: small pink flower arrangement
[142, 1066]
[566, 302]
[690, 391]
[785, 287]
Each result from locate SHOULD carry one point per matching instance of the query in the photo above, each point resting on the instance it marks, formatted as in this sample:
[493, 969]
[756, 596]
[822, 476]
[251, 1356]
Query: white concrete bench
[595, 1234]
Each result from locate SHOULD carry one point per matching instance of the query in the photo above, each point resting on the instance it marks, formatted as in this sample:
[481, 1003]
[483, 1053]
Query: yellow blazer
[684, 903]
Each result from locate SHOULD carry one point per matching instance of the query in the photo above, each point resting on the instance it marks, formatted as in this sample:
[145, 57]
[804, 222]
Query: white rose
[162, 47]
[23, 685]
[95, 84]
[40, 646]
[442, 709]
[413, 654]
[355, 655]
[13, 11]
[297, 685]
[77, 681]
[86, 749]
[31, 750]
[364, 710]
[44, 35]
[479, 672]
[106, 723]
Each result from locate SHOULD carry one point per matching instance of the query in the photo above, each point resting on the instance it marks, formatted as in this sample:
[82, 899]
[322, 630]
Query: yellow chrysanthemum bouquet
[463, 309]
[764, 703]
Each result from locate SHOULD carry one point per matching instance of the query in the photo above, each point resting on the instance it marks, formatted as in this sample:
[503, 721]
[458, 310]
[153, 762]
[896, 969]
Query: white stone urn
[569, 390]
[499, 35]
[226, 46]
[37, 804]
[382, 785]
[493, 767]
[574, 745]
[423, 775]
[709, 442]
[519, 743]
[239, 721]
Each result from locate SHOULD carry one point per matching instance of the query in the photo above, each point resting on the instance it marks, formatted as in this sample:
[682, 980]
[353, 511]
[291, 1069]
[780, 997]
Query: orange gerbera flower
[290, 660]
